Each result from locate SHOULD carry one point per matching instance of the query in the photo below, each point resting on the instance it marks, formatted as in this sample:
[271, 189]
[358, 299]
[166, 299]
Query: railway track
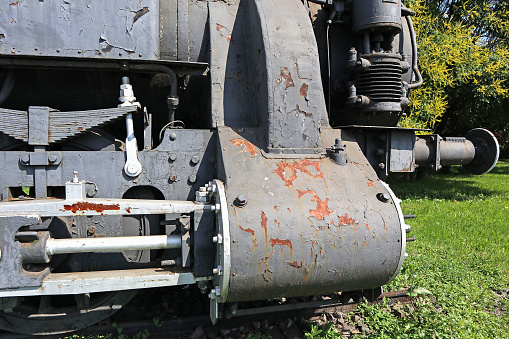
[278, 321]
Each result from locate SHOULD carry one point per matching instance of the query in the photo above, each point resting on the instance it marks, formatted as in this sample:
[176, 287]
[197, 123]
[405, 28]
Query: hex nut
[240, 201]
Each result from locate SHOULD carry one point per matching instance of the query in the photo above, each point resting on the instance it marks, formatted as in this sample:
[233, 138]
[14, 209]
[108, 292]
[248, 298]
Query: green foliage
[326, 331]
[464, 60]
[456, 266]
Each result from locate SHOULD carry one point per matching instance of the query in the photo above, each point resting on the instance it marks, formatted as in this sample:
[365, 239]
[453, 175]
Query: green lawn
[460, 256]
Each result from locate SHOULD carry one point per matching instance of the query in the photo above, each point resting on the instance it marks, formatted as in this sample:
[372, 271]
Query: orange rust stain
[219, 27]
[128, 209]
[229, 37]
[247, 230]
[287, 76]
[301, 166]
[263, 223]
[345, 220]
[80, 129]
[289, 210]
[322, 209]
[306, 276]
[88, 206]
[248, 147]
[367, 227]
[370, 183]
[304, 90]
[295, 263]
[282, 242]
[16, 3]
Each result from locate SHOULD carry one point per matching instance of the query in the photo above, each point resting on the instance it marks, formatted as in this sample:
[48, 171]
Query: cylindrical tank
[376, 14]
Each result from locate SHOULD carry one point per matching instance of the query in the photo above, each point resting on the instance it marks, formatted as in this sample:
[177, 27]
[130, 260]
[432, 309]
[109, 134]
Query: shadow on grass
[453, 183]
[437, 187]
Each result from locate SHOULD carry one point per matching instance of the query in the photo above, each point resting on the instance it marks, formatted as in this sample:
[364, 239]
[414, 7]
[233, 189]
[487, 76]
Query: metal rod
[58, 207]
[112, 244]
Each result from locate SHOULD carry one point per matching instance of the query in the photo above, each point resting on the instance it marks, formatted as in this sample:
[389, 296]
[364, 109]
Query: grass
[460, 257]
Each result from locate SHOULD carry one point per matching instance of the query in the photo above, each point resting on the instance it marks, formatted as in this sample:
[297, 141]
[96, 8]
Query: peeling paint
[345, 220]
[140, 13]
[322, 208]
[304, 90]
[248, 147]
[303, 112]
[282, 242]
[287, 76]
[301, 166]
[295, 263]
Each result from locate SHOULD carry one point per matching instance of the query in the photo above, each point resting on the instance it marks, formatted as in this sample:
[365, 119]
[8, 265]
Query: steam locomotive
[245, 154]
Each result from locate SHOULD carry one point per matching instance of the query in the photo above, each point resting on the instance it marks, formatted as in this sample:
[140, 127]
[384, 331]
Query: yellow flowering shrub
[463, 58]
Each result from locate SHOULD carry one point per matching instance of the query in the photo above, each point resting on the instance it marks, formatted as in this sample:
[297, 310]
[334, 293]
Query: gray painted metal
[95, 206]
[113, 244]
[105, 281]
[310, 226]
[122, 29]
[289, 94]
[12, 275]
[376, 14]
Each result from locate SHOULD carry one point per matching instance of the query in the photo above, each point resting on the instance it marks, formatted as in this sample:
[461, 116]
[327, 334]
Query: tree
[464, 59]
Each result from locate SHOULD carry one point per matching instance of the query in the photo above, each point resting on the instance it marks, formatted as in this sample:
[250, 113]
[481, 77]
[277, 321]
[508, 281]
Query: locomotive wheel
[64, 313]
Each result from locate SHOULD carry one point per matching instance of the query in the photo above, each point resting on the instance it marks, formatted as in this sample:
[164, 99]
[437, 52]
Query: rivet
[173, 136]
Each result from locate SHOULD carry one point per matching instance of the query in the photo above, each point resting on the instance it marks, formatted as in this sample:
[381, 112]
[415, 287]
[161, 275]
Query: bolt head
[240, 200]
[52, 158]
[192, 178]
[383, 197]
[173, 157]
[195, 159]
[25, 158]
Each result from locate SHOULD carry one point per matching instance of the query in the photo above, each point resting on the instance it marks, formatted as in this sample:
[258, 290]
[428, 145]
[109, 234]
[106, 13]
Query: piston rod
[112, 244]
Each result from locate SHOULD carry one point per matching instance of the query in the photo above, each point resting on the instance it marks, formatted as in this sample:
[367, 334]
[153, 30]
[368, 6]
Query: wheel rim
[47, 315]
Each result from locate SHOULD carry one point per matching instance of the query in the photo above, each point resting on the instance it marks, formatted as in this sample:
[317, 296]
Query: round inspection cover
[487, 151]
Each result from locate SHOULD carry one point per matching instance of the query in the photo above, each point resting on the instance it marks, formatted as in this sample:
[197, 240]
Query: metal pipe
[414, 54]
[452, 151]
[112, 244]
[173, 99]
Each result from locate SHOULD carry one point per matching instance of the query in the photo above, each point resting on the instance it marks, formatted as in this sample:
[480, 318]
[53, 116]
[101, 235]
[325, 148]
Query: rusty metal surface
[309, 226]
